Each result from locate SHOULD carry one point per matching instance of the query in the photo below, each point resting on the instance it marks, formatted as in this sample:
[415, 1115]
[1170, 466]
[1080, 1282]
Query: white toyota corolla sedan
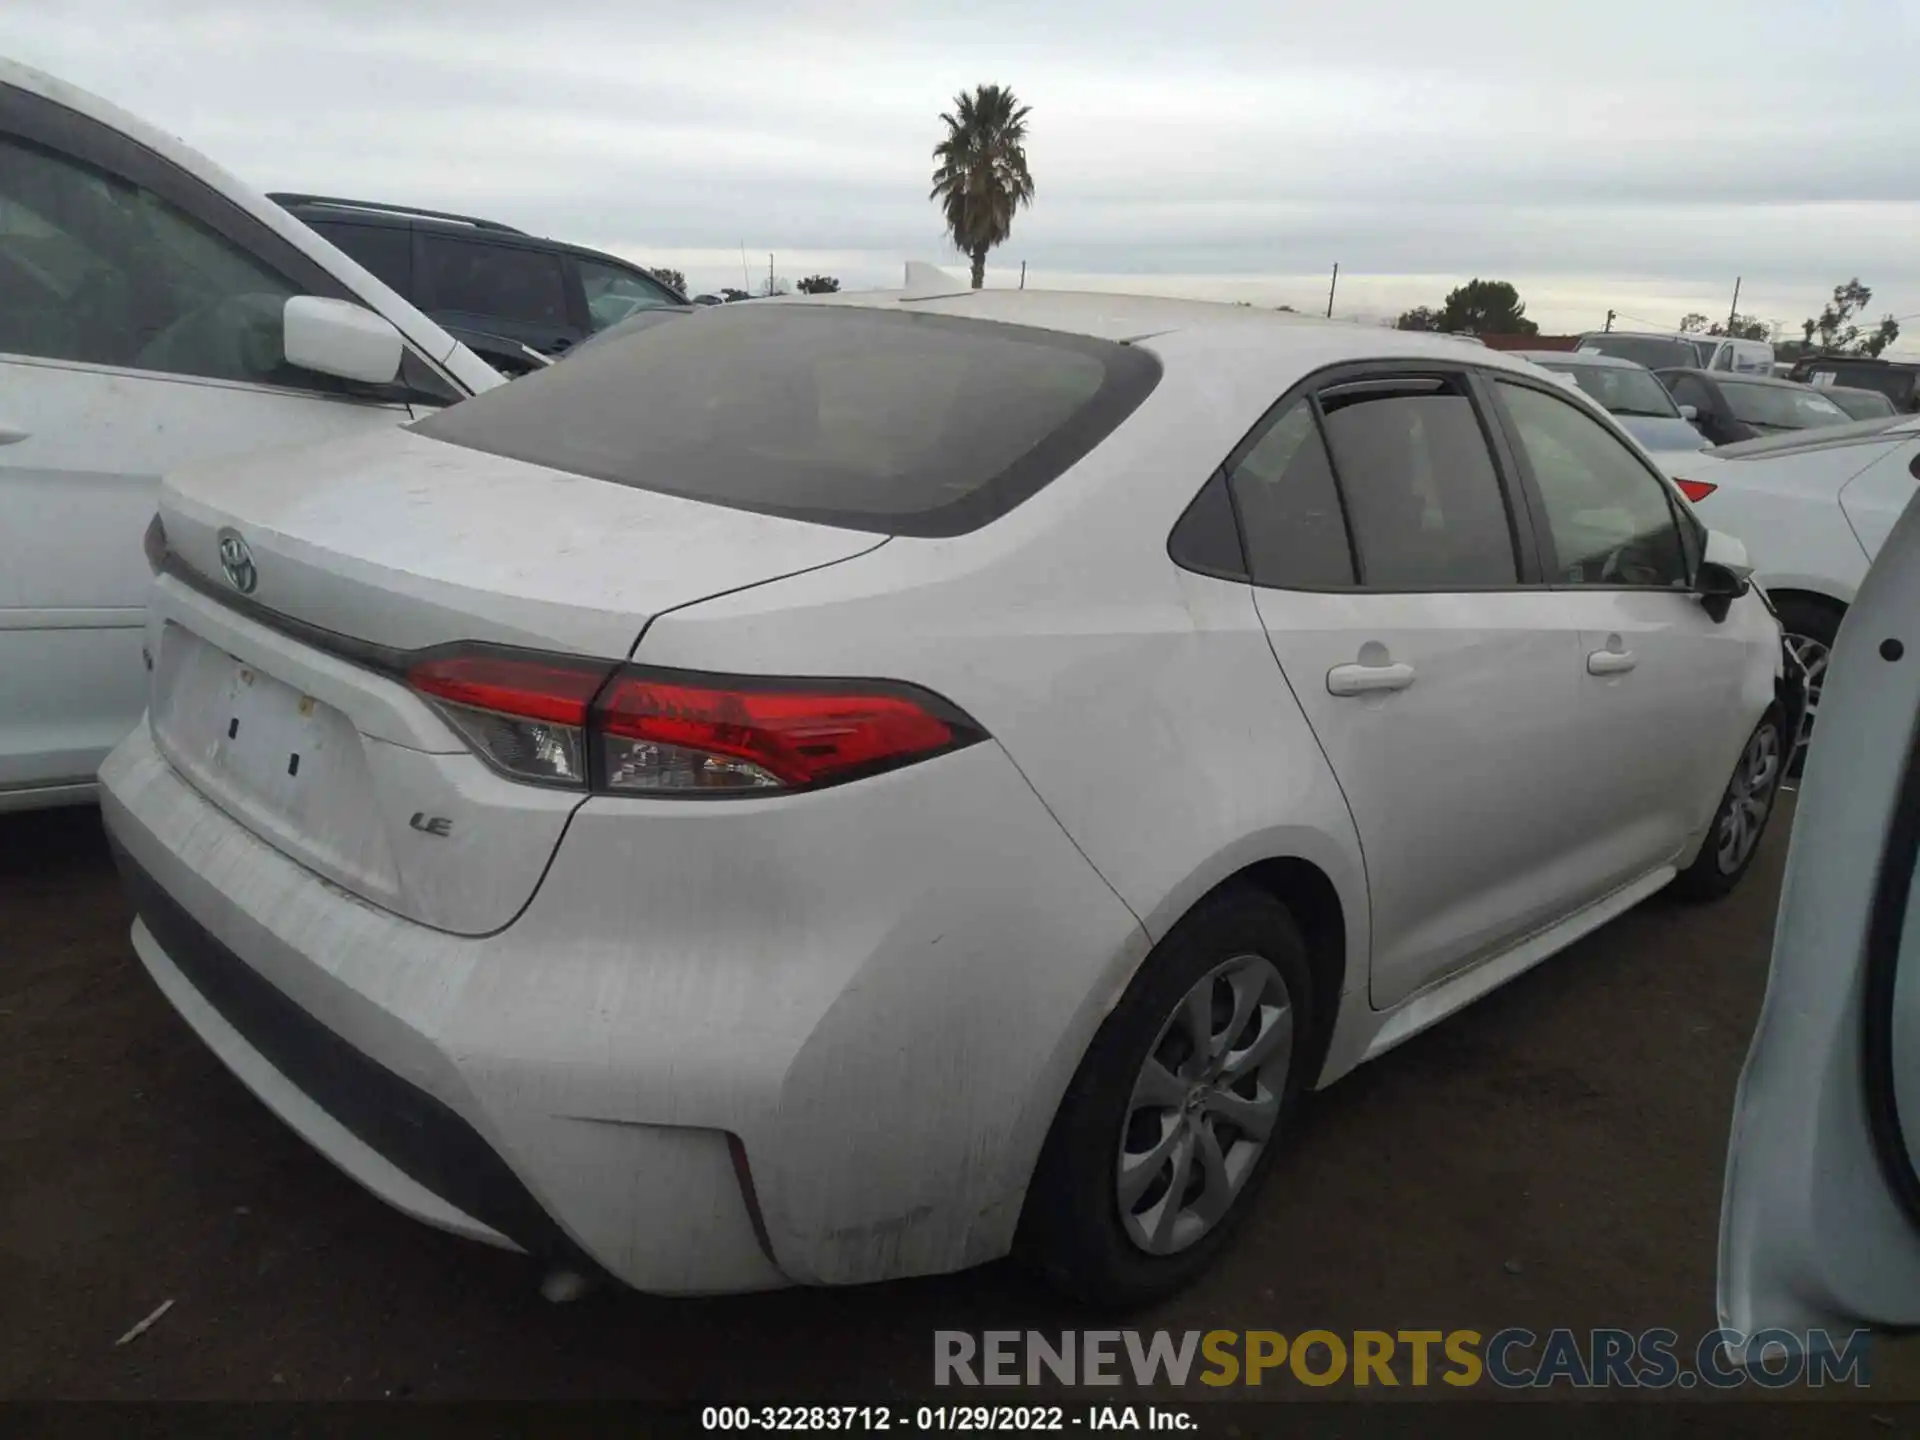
[823, 791]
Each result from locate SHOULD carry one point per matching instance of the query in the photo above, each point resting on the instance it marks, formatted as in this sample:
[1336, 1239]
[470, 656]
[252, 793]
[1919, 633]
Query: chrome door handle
[9, 434]
[1368, 679]
[1610, 662]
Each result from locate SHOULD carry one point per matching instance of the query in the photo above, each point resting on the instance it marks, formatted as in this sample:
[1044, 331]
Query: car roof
[376, 214]
[1179, 326]
[1575, 357]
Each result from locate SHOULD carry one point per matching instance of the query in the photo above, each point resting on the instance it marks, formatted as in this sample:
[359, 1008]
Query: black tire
[1710, 876]
[1072, 1230]
[1803, 620]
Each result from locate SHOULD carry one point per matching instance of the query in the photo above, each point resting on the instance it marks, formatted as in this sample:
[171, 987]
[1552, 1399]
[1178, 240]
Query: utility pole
[1330, 288]
[1023, 274]
[1610, 315]
[1734, 310]
[769, 275]
[746, 280]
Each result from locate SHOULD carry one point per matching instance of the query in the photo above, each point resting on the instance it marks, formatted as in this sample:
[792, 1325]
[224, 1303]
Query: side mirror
[1689, 413]
[336, 337]
[1725, 574]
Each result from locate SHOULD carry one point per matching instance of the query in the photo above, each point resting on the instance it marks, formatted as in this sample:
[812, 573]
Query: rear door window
[1289, 506]
[476, 278]
[1423, 497]
[899, 423]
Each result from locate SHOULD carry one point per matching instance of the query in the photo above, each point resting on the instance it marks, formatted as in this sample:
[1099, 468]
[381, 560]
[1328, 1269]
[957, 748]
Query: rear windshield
[1653, 351]
[898, 423]
[1620, 390]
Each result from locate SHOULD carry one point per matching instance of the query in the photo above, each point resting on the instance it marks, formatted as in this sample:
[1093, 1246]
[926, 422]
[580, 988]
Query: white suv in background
[1658, 350]
[154, 312]
[1813, 508]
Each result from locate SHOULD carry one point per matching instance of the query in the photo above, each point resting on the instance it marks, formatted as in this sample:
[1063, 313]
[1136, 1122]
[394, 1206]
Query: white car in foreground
[827, 790]
[1813, 509]
[154, 312]
[1820, 1222]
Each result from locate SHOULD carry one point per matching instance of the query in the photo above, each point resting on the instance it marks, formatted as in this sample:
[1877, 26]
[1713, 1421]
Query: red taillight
[673, 733]
[660, 732]
[1695, 490]
[531, 688]
[154, 542]
[525, 715]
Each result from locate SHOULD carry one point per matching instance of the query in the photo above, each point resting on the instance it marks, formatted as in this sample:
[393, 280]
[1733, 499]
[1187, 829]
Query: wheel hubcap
[1749, 798]
[1204, 1105]
[1813, 656]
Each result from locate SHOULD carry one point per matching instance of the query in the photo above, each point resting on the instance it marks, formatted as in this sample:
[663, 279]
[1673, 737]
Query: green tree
[1744, 327]
[980, 174]
[818, 285]
[1421, 317]
[728, 294]
[1695, 324]
[1836, 329]
[1485, 307]
[673, 279]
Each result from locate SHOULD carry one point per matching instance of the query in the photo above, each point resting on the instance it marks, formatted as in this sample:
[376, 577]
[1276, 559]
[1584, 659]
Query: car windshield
[903, 424]
[1896, 384]
[1620, 390]
[1780, 407]
[1862, 404]
[1655, 352]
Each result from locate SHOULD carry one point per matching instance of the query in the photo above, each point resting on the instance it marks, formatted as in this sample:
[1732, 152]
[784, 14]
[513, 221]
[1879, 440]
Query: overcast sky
[1633, 154]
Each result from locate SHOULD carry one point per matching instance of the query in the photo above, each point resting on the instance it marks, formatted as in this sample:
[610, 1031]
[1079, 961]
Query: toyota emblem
[236, 562]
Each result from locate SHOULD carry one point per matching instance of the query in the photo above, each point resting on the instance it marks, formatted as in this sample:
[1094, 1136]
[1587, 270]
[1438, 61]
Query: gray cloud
[1640, 148]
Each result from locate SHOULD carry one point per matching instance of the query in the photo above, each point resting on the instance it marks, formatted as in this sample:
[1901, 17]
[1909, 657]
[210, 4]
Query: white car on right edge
[1820, 1219]
[1813, 509]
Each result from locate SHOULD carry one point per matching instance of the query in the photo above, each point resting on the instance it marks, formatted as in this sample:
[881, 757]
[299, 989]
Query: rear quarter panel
[1141, 702]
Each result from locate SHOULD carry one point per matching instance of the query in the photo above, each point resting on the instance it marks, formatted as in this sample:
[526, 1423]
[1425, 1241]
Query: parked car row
[1661, 351]
[946, 840]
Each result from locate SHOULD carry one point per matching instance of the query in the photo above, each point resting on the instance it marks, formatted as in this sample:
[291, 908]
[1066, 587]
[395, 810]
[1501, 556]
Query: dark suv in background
[500, 290]
[1898, 380]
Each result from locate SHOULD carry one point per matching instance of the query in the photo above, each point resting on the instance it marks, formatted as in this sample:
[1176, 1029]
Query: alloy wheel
[1749, 797]
[1813, 656]
[1205, 1104]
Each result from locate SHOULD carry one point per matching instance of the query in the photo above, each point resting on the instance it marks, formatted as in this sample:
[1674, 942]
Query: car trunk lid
[287, 707]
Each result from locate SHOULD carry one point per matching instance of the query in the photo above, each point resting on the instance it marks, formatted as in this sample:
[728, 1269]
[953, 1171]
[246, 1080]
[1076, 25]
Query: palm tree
[980, 176]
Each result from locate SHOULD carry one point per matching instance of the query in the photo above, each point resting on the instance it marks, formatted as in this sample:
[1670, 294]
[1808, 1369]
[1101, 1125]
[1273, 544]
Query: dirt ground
[1551, 1157]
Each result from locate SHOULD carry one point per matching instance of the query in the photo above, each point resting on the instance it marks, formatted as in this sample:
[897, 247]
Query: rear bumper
[396, 1139]
[878, 1012]
[259, 957]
